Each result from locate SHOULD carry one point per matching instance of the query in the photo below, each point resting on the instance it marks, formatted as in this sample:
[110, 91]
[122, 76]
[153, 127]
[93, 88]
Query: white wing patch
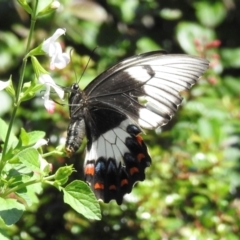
[163, 79]
[139, 73]
[110, 144]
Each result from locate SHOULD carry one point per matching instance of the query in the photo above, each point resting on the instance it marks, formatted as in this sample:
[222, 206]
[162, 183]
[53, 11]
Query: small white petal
[58, 33]
[46, 79]
[49, 82]
[55, 4]
[60, 61]
[49, 105]
[3, 84]
[49, 46]
[44, 165]
[40, 143]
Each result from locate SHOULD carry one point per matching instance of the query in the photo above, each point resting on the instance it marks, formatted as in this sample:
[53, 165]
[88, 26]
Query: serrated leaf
[30, 158]
[34, 136]
[79, 196]
[17, 169]
[10, 210]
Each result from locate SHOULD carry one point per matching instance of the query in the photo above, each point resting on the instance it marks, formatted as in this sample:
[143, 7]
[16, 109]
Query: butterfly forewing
[139, 92]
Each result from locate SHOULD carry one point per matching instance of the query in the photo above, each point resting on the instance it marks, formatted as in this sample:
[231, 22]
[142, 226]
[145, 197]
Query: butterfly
[141, 92]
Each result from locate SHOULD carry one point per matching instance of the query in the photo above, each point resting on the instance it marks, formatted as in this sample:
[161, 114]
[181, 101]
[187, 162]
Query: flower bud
[62, 174]
[52, 7]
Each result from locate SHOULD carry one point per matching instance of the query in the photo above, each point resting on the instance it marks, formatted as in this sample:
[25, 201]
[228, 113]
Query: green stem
[54, 152]
[49, 178]
[19, 88]
[23, 185]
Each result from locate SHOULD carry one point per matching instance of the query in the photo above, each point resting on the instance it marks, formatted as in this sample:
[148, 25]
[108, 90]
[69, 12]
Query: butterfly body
[139, 92]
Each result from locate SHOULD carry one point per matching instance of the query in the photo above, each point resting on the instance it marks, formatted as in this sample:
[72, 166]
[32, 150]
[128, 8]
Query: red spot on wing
[112, 187]
[134, 170]
[98, 185]
[89, 169]
[124, 182]
[139, 139]
[140, 156]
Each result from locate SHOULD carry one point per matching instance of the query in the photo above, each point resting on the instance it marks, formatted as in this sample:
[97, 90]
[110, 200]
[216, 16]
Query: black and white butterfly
[139, 92]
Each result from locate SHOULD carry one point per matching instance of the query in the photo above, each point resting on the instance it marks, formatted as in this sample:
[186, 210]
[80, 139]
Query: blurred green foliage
[192, 189]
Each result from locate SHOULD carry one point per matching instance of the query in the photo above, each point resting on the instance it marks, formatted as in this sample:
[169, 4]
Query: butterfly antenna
[86, 65]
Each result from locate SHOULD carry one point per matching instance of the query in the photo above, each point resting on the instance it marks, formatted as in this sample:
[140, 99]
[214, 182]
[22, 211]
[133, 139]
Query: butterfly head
[75, 87]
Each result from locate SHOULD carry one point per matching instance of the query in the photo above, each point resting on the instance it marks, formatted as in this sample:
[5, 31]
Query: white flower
[54, 50]
[55, 4]
[44, 165]
[49, 82]
[40, 143]
[49, 105]
[60, 59]
[3, 84]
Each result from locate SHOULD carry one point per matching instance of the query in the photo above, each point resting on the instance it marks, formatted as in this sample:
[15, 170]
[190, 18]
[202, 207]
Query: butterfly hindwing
[139, 92]
[115, 160]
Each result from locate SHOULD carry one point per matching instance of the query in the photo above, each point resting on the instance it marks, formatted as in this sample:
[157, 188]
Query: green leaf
[30, 195]
[205, 128]
[230, 57]
[34, 136]
[125, 9]
[24, 137]
[170, 14]
[232, 84]
[20, 174]
[79, 196]
[188, 32]
[210, 14]
[30, 158]
[145, 44]
[3, 235]
[10, 210]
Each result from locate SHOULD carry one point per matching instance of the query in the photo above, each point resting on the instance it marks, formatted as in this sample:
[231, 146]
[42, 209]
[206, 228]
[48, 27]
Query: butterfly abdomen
[75, 134]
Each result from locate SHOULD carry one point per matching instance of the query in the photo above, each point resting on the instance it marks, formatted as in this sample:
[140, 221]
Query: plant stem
[23, 185]
[19, 88]
[14, 189]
